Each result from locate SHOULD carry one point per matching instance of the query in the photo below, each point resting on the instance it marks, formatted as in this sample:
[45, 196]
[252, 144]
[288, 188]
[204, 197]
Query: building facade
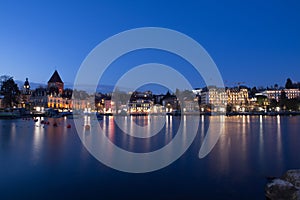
[140, 102]
[238, 99]
[213, 96]
[170, 102]
[213, 99]
[55, 84]
[50, 97]
[25, 95]
[277, 93]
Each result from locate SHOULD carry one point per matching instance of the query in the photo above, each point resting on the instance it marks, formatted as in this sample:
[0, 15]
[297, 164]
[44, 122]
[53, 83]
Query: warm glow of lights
[38, 109]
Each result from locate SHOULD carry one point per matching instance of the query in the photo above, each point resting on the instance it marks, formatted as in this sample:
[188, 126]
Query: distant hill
[32, 84]
[156, 89]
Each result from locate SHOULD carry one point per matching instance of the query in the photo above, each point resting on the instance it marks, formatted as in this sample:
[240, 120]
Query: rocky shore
[285, 188]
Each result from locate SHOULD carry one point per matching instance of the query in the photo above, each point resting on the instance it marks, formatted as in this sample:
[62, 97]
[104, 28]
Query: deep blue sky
[256, 42]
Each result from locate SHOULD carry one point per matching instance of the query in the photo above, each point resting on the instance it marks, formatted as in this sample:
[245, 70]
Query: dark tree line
[290, 85]
[10, 91]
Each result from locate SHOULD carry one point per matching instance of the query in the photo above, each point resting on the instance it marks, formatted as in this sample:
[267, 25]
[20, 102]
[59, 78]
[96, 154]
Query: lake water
[45, 162]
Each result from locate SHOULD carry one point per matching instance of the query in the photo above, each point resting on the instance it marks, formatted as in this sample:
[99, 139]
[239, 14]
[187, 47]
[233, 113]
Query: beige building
[237, 96]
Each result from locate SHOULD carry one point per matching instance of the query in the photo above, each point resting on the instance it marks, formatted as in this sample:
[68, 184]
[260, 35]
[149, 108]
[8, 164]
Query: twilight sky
[256, 42]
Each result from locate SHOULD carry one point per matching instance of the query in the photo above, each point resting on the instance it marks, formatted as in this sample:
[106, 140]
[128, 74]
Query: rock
[279, 189]
[285, 188]
[293, 176]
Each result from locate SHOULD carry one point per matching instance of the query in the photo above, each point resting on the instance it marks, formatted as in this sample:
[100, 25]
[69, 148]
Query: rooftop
[55, 78]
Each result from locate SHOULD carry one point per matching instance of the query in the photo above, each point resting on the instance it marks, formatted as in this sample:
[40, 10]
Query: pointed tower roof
[55, 78]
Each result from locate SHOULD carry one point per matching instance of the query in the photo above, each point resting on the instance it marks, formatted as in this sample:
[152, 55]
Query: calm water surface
[45, 162]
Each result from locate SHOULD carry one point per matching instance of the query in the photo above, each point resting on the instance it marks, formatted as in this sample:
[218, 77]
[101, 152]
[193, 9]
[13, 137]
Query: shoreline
[8, 115]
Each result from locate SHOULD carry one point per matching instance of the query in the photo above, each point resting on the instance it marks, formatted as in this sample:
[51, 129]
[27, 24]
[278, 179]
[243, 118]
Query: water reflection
[168, 129]
[251, 148]
[279, 141]
[243, 134]
[149, 142]
[37, 146]
[224, 143]
[261, 138]
[202, 131]
[242, 137]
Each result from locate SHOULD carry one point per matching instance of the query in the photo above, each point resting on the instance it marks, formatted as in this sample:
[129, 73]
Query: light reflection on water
[279, 139]
[37, 146]
[261, 138]
[250, 148]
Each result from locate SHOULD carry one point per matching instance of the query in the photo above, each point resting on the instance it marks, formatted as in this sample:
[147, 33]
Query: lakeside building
[55, 84]
[277, 93]
[292, 93]
[206, 99]
[25, 95]
[170, 102]
[140, 102]
[190, 106]
[39, 97]
[109, 106]
[238, 98]
[197, 93]
[213, 96]
[105, 105]
[258, 102]
[55, 93]
[157, 98]
[52, 96]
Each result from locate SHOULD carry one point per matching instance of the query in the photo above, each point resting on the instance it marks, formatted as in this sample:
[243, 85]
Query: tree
[253, 91]
[283, 95]
[11, 92]
[292, 104]
[283, 100]
[3, 79]
[262, 100]
[273, 103]
[289, 84]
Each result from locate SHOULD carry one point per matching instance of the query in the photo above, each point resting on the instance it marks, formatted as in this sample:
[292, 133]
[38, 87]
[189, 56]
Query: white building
[213, 96]
[276, 94]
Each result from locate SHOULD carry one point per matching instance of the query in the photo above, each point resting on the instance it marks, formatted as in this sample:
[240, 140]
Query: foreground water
[45, 162]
